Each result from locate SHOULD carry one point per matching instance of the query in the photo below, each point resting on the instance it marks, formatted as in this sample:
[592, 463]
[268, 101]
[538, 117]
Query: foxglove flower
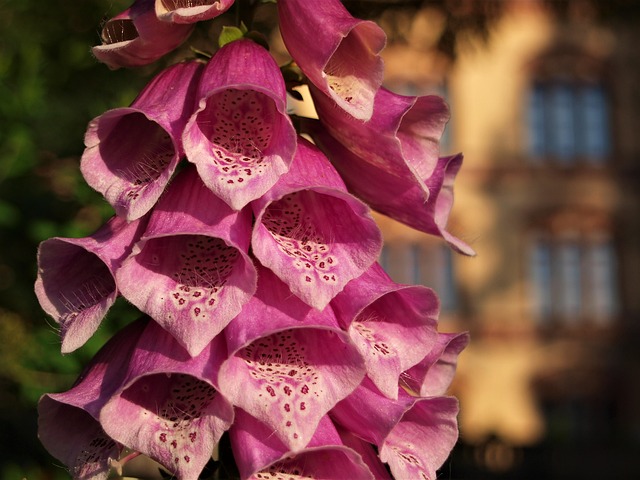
[76, 277]
[190, 11]
[240, 137]
[259, 456]
[289, 364]
[399, 197]
[434, 373]
[338, 53]
[413, 435]
[191, 271]
[392, 325]
[68, 425]
[132, 152]
[311, 232]
[167, 406]
[137, 37]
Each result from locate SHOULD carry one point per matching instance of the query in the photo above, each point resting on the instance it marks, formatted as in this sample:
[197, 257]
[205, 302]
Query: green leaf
[229, 34]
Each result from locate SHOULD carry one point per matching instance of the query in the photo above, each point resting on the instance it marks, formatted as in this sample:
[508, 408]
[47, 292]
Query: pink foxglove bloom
[132, 152]
[414, 436]
[68, 423]
[260, 457]
[137, 37]
[191, 271]
[190, 11]
[167, 406]
[240, 137]
[289, 364]
[338, 53]
[400, 197]
[392, 325]
[433, 375]
[76, 277]
[313, 234]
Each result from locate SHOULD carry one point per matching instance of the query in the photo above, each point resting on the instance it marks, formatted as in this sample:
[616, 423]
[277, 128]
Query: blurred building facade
[546, 113]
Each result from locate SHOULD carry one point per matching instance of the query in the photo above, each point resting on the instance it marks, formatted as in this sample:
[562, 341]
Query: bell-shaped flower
[337, 52]
[414, 435]
[260, 456]
[191, 271]
[313, 234]
[76, 283]
[167, 406]
[400, 197]
[137, 37]
[240, 137]
[366, 451]
[190, 11]
[435, 372]
[68, 425]
[131, 153]
[392, 325]
[289, 364]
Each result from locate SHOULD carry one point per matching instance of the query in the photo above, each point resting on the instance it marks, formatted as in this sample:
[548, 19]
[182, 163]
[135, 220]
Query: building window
[569, 123]
[574, 279]
[423, 264]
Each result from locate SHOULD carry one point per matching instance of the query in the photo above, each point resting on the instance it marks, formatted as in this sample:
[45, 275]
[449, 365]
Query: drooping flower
[414, 435]
[261, 457]
[240, 137]
[68, 424]
[435, 372]
[337, 52]
[392, 325]
[167, 406]
[131, 153]
[191, 271]
[400, 197]
[190, 11]
[137, 37]
[76, 284]
[311, 232]
[289, 364]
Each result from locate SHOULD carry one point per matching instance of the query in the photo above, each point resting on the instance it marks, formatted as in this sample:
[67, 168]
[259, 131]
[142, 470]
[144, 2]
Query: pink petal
[76, 278]
[240, 137]
[433, 375]
[168, 407]
[311, 232]
[342, 60]
[259, 456]
[68, 424]
[191, 271]
[137, 37]
[289, 371]
[190, 11]
[132, 152]
[392, 325]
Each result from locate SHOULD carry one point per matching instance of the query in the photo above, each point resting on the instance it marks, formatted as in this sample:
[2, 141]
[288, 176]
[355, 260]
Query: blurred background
[544, 97]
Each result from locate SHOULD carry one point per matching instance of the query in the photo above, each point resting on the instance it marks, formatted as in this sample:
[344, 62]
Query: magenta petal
[421, 442]
[367, 453]
[399, 197]
[137, 37]
[259, 456]
[168, 407]
[190, 11]
[240, 137]
[68, 424]
[311, 232]
[76, 278]
[132, 152]
[342, 60]
[433, 375]
[392, 325]
[290, 370]
[191, 271]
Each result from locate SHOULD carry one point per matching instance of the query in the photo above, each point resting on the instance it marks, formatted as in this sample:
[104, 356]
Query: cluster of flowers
[254, 262]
